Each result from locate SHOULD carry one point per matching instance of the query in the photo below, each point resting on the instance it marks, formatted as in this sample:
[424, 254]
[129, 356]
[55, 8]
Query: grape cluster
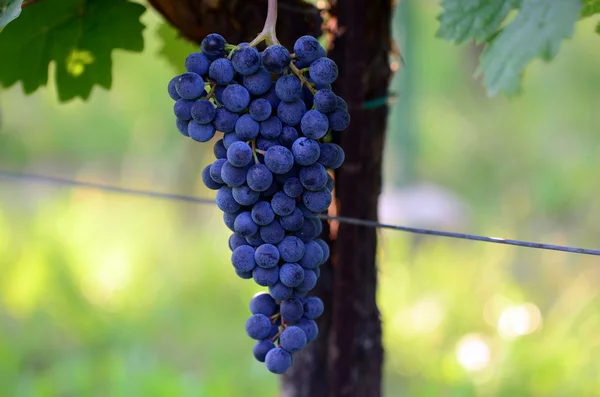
[276, 112]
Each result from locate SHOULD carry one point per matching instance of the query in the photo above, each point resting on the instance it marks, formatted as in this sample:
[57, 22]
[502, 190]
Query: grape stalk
[276, 111]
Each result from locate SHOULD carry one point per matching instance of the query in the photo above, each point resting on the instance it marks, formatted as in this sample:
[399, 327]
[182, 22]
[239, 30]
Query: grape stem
[268, 34]
[253, 145]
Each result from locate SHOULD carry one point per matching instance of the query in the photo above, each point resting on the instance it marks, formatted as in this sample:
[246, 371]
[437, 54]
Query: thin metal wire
[342, 219]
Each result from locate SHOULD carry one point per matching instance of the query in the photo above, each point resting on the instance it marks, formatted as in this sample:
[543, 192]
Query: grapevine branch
[29, 3]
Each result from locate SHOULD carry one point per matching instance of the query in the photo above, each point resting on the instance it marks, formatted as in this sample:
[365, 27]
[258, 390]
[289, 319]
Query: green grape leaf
[590, 7]
[9, 11]
[174, 48]
[537, 31]
[78, 36]
[464, 20]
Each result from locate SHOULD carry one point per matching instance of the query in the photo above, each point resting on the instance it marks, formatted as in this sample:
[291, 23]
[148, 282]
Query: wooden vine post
[346, 359]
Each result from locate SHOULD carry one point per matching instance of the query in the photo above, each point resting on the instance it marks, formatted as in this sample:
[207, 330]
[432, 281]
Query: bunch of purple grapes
[276, 112]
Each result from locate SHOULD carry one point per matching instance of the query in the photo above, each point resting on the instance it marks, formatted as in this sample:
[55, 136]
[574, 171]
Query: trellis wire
[342, 219]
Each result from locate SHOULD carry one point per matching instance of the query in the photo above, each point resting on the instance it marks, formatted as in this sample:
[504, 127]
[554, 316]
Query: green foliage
[174, 48]
[537, 31]
[78, 35]
[9, 11]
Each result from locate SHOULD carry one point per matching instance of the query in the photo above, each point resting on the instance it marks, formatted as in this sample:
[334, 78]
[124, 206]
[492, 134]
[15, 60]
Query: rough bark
[356, 352]
[346, 359]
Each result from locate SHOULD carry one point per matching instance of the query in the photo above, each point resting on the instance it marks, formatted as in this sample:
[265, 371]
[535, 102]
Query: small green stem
[303, 80]
[254, 150]
[211, 93]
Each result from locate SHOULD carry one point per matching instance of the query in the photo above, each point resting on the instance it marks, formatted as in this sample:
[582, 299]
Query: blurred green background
[108, 295]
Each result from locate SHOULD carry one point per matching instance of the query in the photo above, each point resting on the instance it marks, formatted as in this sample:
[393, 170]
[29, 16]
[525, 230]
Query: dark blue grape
[274, 188]
[228, 139]
[288, 136]
[182, 108]
[263, 143]
[317, 272]
[262, 214]
[245, 196]
[267, 256]
[291, 113]
[272, 233]
[208, 181]
[236, 240]
[259, 178]
[292, 222]
[260, 109]
[198, 63]
[330, 153]
[265, 277]
[313, 177]
[272, 97]
[233, 176]
[236, 98]
[314, 124]
[292, 339]
[246, 60]
[329, 184]
[282, 204]
[215, 170]
[281, 178]
[317, 201]
[309, 327]
[276, 58]
[255, 240]
[219, 93]
[172, 88]
[213, 46]
[261, 348]
[182, 126]
[325, 101]
[280, 291]
[308, 49]
[313, 256]
[244, 275]
[306, 151]
[308, 231]
[229, 219]
[244, 225]
[279, 159]
[258, 326]
[258, 83]
[313, 307]
[239, 154]
[318, 226]
[309, 282]
[242, 258]
[339, 119]
[323, 71]
[324, 248]
[291, 275]
[190, 86]
[271, 128]
[293, 187]
[246, 128]
[341, 103]
[203, 111]
[340, 160]
[201, 132]
[225, 120]
[291, 249]
[292, 309]
[225, 200]
[263, 303]
[288, 88]
[274, 330]
[299, 294]
[278, 360]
